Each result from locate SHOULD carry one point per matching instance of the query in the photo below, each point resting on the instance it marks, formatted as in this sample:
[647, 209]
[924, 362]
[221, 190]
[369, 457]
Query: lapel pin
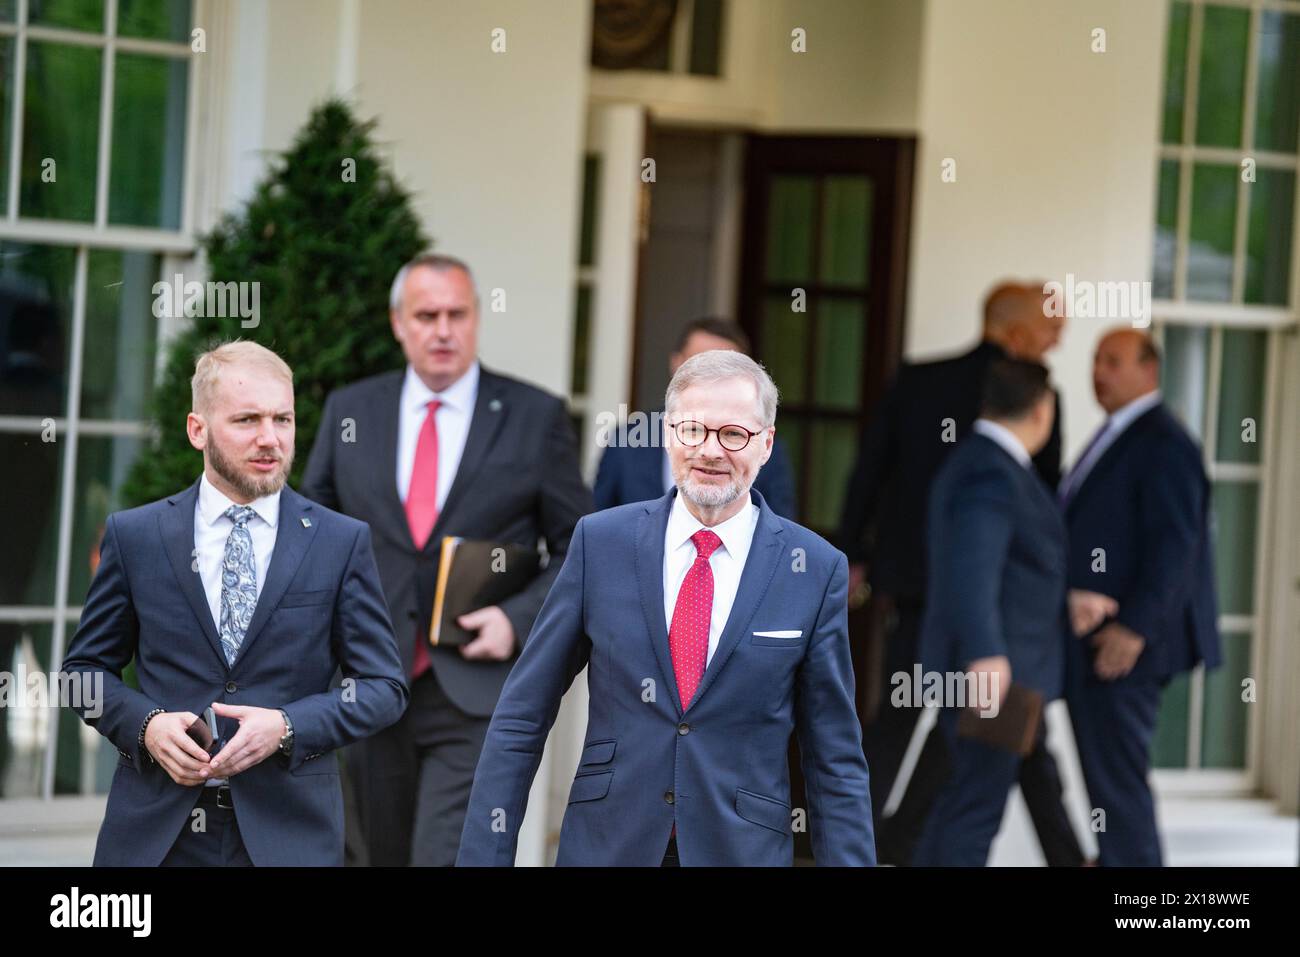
[495, 405]
[306, 523]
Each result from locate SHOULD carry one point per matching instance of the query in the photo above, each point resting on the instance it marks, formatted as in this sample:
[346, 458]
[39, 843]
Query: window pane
[1175, 73]
[1268, 241]
[590, 195]
[1277, 108]
[73, 14]
[23, 729]
[1223, 76]
[1236, 505]
[1209, 254]
[8, 10]
[102, 465]
[29, 515]
[118, 373]
[1241, 395]
[35, 321]
[6, 116]
[1169, 748]
[785, 348]
[60, 123]
[154, 19]
[840, 332]
[832, 446]
[791, 433]
[148, 166]
[581, 340]
[1223, 732]
[1162, 285]
[846, 229]
[1186, 374]
[790, 228]
[706, 37]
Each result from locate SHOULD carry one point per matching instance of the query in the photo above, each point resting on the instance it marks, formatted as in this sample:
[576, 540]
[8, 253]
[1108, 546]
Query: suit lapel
[490, 413]
[176, 526]
[293, 537]
[648, 562]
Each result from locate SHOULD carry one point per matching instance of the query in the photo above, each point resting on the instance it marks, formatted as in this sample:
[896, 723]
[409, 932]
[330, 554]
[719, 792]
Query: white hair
[718, 364]
[435, 261]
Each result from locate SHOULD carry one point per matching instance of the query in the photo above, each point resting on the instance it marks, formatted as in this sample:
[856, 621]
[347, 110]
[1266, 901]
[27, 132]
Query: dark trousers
[1114, 722]
[210, 837]
[413, 780]
[885, 742]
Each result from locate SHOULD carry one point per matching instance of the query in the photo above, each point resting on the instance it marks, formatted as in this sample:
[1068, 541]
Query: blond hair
[207, 369]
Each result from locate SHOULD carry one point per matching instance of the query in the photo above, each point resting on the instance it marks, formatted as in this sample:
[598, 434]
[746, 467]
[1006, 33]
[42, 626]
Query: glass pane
[706, 37]
[1268, 239]
[791, 433]
[1169, 747]
[1209, 254]
[6, 116]
[1241, 395]
[1277, 106]
[581, 340]
[35, 322]
[29, 515]
[832, 446]
[148, 166]
[840, 332]
[60, 124]
[1185, 374]
[1236, 505]
[73, 14]
[23, 729]
[846, 229]
[590, 197]
[102, 465]
[1223, 76]
[121, 332]
[1223, 732]
[1162, 285]
[8, 10]
[1175, 73]
[154, 19]
[790, 228]
[785, 348]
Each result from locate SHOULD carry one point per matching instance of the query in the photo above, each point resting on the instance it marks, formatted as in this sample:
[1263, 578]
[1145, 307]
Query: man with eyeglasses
[711, 628]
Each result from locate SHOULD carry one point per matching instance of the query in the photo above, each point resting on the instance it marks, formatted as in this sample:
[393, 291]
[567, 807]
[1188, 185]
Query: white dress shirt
[1113, 428]
[452, 418]
[727, 561]
[1005, 438]
[212, 528]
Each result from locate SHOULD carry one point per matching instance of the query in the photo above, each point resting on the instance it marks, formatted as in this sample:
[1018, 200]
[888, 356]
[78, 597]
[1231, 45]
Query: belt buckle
[224, 798]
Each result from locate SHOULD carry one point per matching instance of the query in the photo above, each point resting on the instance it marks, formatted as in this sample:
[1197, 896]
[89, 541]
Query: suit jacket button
[231, 687]
[411, 614]
[668, 797]
[683, 728]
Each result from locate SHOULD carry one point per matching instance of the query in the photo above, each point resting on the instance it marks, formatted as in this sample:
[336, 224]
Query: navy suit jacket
[635, 473]
[718, 769]
[996, 572]
[320, 610]
[1147, 504]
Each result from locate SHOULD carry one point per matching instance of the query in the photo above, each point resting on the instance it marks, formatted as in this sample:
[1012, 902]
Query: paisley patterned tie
[238, 582]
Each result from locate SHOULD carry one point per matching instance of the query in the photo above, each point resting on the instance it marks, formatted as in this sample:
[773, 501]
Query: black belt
[218, 796]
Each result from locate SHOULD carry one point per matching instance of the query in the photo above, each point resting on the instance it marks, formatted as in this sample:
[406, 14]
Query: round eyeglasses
[733, 438]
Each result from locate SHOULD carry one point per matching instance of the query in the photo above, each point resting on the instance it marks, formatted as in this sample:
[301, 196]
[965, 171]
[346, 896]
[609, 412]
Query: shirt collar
[213, 504]
[1005, 438]
[1125, 415]
[460, 395]
[682, 525]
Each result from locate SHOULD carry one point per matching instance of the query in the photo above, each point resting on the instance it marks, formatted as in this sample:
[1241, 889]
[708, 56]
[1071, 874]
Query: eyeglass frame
[731, 425]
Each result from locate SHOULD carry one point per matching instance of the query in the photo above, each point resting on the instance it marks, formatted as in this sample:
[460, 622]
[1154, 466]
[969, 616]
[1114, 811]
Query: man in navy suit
[711, 629]
[995, 599]
[1141, 563]
[632, 471]
[240, 594]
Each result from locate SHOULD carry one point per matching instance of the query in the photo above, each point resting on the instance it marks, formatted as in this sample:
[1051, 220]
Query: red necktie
[422, 513]
[688, 636]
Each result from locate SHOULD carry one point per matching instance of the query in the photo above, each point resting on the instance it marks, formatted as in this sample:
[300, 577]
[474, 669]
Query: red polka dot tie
[688, 637]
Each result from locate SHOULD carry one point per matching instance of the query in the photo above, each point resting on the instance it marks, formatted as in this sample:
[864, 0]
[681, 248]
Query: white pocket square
[778, 634]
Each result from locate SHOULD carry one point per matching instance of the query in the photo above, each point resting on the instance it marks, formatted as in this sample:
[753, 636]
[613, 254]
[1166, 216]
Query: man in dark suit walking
[443, 448]
[1137, 507]
[928, 407]
[995, 609]
[240, 594]
[638, 471]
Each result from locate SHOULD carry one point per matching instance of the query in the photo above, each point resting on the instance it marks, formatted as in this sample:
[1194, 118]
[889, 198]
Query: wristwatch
[286, 742]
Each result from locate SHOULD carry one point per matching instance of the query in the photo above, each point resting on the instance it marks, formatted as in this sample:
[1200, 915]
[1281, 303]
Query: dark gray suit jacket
[518, 481]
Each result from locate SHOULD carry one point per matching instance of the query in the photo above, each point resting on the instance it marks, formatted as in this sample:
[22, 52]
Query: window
[96, 98]
[1223, 278]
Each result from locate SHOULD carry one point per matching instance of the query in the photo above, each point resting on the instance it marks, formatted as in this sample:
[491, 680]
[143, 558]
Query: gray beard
[249, 488]
[710, 496]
